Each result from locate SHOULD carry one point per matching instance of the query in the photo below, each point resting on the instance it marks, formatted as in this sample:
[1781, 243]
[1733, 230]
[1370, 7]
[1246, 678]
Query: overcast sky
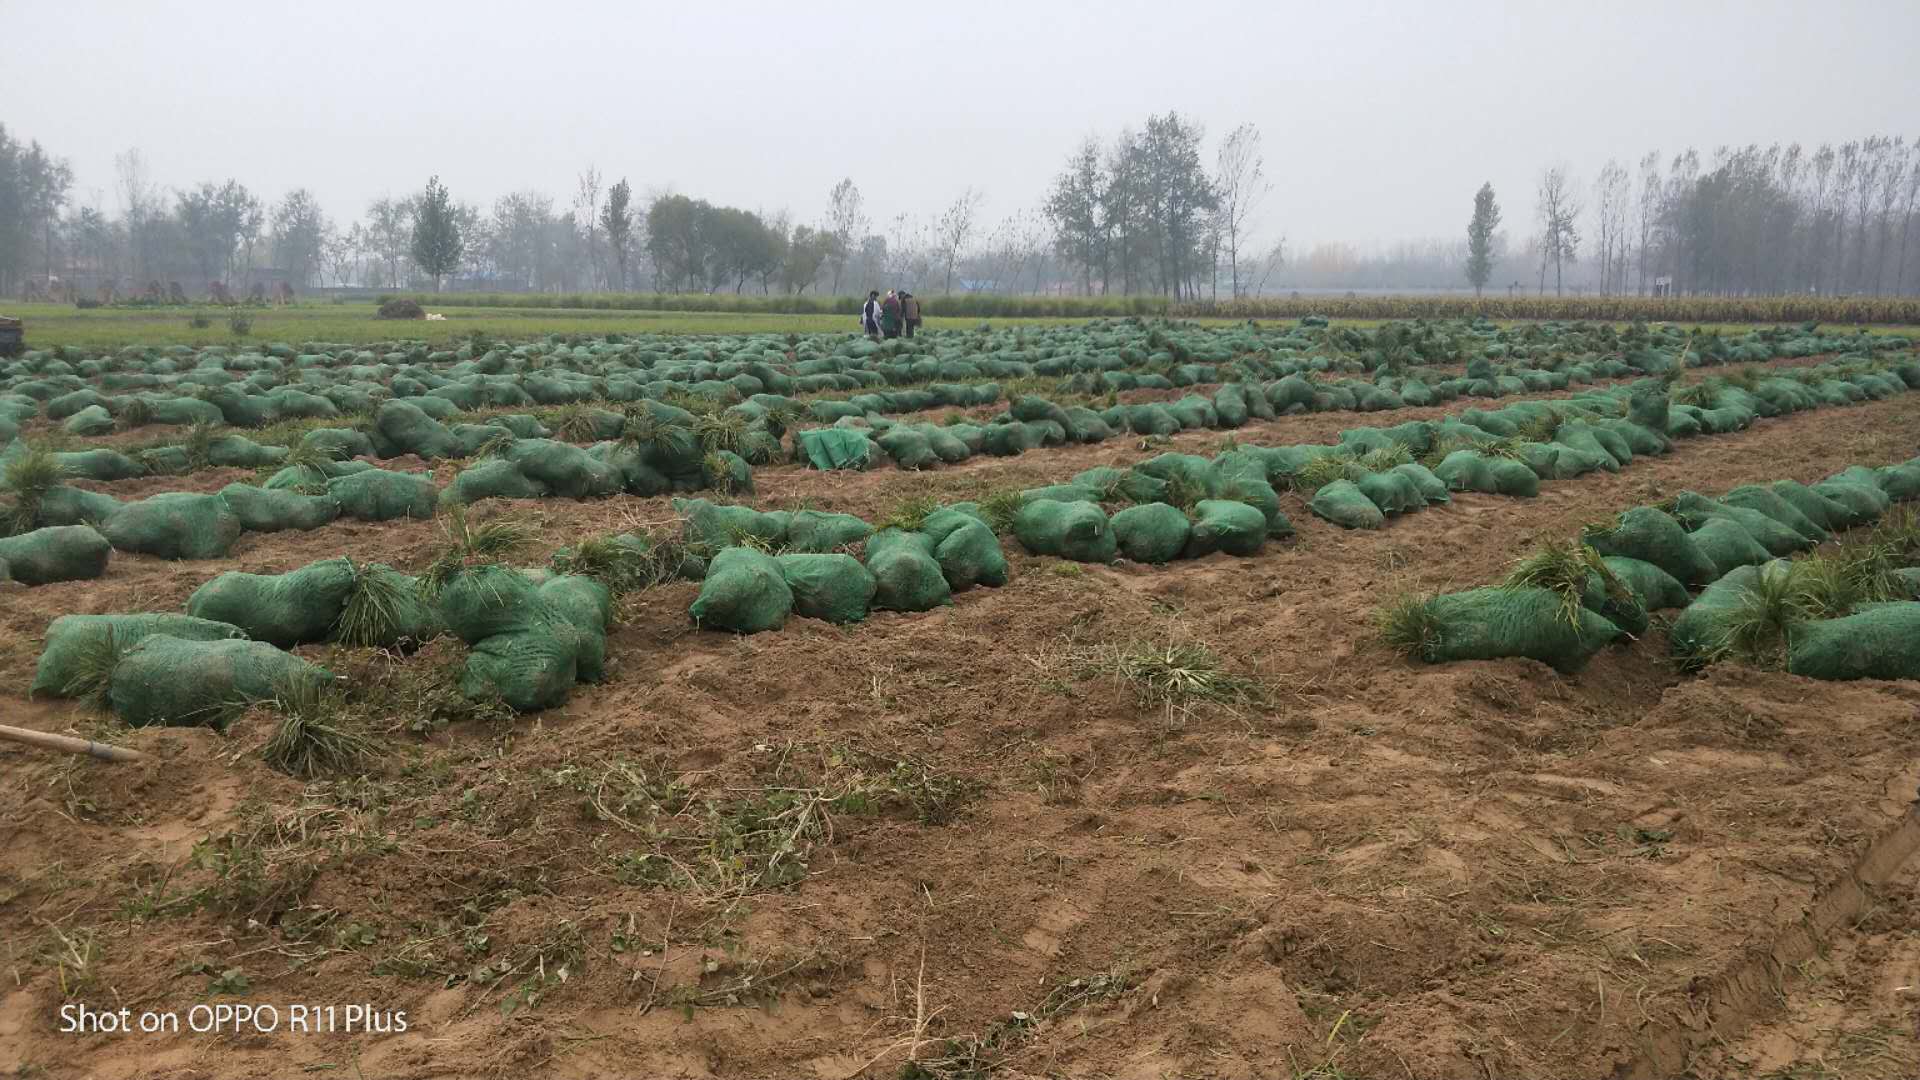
[1379, 120]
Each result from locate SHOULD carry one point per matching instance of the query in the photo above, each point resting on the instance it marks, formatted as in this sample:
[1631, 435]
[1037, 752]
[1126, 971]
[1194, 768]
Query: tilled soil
[1374, 866]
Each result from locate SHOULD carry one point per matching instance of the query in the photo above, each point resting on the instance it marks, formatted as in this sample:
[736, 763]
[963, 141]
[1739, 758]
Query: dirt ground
[1367, 868]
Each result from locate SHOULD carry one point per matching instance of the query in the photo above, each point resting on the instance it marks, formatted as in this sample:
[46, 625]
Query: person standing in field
[890, 315]
[870, 314]
[910, 312]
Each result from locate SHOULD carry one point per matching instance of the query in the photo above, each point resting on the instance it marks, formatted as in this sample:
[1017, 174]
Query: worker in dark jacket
[890, 315]
[870, 314]
[910, 312]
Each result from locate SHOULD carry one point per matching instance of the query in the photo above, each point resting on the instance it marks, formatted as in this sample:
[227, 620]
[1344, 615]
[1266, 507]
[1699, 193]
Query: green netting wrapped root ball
[74, 640]
[267, 510]
[1653, 587]
[833, 587]
[1151, 533]
[1700, 634]
[906, 575]
[966, 548]
[60, 553]
[525, 645]
[1069, 530]
[744, 592]
[170, 680]
[835, 448]
[1650, 535]
[1880, 642]
[1490, 623]
[289, 609]
[1223, 525]
[1343, 503]
[379, 495]
[176, 525]
[1729, 545]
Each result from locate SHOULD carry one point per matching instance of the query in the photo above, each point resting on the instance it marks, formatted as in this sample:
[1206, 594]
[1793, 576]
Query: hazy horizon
[1379, 121]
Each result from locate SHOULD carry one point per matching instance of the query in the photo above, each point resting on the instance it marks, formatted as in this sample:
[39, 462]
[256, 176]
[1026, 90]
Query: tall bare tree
[955, 229]
[586, 212]
[1648, 211]
[1241, 182]
[1612, 193]
[847, 222]
[1559, 213]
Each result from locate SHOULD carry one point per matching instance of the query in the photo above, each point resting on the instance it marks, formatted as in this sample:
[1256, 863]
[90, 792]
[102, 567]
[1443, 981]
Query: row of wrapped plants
[1850, 611]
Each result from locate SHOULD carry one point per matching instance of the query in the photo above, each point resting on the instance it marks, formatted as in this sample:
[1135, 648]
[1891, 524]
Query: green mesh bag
[588, 606]
[1513, 478]
[1728, 545]
[175, 525]
[1862, 503]
[1650, 535]
[1152, 420]
[1344, 504]
[411, 620]
[831, 587]
[1391, 492]
[908, 449]
[969, 554]
[65, 505]
[71, 638]
[1086, 426]
[1465, 470]
[1618, 605]
[1488, 624]
[530, 669]
[289, 609]
[1152, 533]
[1882, 642]
[1060, 493]
[181, 682]
[1767, 501]
[312, 479]
[1638, 440]
[1431, 487]
[564, 469]
[101, 464]
[494, 478]
[1067, 530]
[819, 532]
[262, 510]
[379, 495]
[716, 526]
[1778, 539]
[58, 553]
[523, 647]
[1226, 526]
[744, 592]
[93, 420]
[1901, 482]
[1699, 634]
[1654, 588]
[906, 574]
[835, 448]
[1230, 405]
[240, 452]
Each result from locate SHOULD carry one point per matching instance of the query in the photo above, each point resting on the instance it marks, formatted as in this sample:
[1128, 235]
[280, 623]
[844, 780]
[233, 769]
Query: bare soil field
[964, 844]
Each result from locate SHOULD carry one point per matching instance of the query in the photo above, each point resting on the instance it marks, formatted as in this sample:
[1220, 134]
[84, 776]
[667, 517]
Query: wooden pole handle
[69, 743]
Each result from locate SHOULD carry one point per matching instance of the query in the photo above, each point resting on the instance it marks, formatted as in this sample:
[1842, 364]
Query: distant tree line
[1149, 211]
[1747, 221]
